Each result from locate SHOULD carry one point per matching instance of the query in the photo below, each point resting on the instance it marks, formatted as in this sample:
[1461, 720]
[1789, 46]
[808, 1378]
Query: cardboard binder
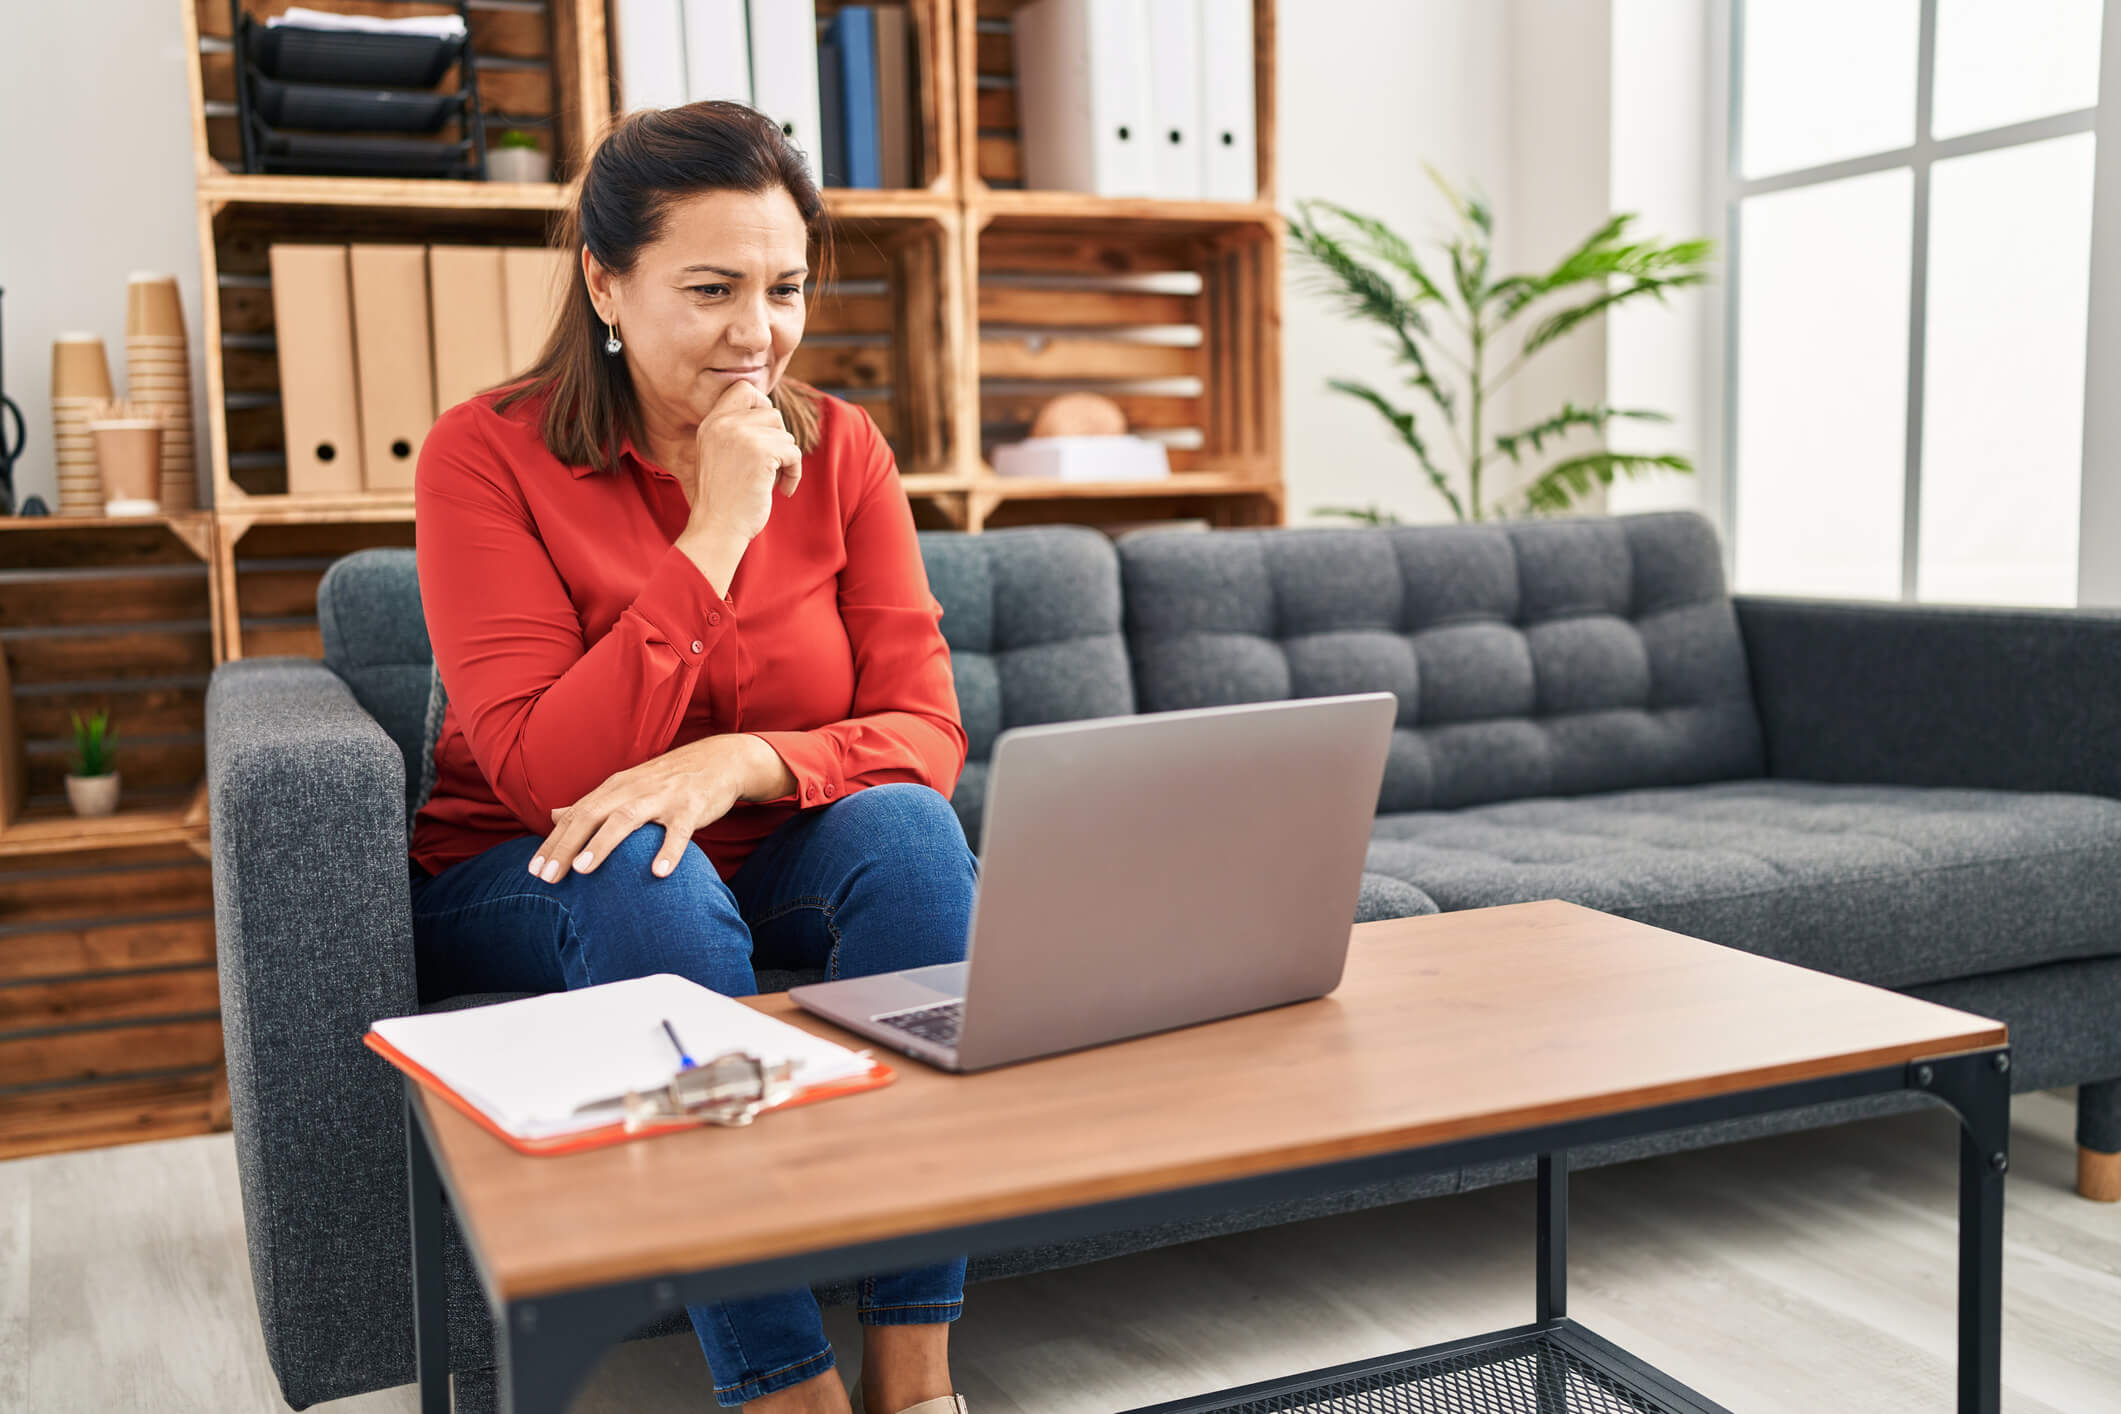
[1174, 95]
[1229, 160]
[784, 83]
[898, 98]
[391, 360]
[534, 286]
[470, 321]
[319, 403]
[1082, 86]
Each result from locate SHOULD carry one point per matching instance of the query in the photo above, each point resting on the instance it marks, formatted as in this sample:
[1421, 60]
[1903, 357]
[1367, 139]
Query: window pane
[1825, 80]
[2003, 381]
[1822, 387]
[2007, 61]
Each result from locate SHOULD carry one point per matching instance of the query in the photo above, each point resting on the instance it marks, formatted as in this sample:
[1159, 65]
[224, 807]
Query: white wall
[1667, 148]
[1369, 89]
[98, 167]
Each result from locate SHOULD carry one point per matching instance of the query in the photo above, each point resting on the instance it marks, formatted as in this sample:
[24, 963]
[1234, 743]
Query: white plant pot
[93, 795]
[517, 164]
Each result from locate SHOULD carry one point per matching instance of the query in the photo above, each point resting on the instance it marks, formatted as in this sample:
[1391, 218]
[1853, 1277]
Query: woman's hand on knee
[682, 790]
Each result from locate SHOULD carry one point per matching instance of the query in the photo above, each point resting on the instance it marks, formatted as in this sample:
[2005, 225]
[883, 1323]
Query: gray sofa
[1923, 799]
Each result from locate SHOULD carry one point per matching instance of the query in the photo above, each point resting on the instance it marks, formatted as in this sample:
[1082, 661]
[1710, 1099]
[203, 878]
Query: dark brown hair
[652, 158]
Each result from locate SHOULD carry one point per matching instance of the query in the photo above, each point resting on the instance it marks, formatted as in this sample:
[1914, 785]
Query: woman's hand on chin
[683, 790]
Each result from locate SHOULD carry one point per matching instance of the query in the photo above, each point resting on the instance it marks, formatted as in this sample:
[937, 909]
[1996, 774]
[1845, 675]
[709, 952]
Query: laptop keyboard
[938, 1023]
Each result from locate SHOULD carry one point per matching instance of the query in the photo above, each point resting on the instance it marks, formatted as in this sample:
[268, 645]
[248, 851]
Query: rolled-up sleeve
[547, 717]
[904, 724]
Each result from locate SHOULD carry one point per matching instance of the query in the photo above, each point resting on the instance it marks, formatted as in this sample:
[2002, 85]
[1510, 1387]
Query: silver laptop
[1143, 873]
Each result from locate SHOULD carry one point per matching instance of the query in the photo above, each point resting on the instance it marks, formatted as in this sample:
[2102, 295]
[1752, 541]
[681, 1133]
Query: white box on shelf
[1121, 458]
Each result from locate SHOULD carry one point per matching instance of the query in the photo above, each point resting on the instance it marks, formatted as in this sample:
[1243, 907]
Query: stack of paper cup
[158, 378]
[80, 386]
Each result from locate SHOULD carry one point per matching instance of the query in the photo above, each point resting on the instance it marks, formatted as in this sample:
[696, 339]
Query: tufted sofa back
[1540, 658]
[1533, 658]
[1031, 617]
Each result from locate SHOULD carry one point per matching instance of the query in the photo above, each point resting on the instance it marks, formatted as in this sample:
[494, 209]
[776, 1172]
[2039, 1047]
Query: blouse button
[828, 790]
[714, 617]
[695, 645]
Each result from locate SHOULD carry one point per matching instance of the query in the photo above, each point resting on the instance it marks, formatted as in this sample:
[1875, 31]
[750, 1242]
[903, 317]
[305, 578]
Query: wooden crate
[1174, 313]
[270, 567]
[524, 53]
[243, 378]
[110, 1025]
[990, 146]
[110, 614]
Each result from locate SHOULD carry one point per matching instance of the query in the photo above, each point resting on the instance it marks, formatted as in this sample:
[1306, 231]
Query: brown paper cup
[152, 306]
[79, 368]
[128, 457]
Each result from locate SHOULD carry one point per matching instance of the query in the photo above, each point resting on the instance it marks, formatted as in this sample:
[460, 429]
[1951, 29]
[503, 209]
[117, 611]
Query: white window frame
[2098, 517]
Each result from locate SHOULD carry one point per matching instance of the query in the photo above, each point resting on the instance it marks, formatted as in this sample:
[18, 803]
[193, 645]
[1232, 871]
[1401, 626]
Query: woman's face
[716, 299]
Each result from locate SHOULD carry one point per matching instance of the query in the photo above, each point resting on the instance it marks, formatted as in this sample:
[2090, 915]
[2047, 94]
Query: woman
[697, 689]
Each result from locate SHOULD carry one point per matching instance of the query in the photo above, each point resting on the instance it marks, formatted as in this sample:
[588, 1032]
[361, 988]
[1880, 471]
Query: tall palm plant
[1446, 333]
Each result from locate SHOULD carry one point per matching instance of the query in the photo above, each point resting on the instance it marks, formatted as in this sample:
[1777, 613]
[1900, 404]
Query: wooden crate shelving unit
[960, 304]
[108, 1002]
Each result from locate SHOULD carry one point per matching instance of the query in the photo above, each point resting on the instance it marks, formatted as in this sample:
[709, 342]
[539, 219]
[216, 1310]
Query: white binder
[1082, 89]
[1229, 160]
[1175, 97]
[651, 41]
[717, 51]
[784, 73]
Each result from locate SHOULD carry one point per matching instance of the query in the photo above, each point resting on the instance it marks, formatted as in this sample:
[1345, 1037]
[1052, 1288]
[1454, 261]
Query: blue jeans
[880, 879]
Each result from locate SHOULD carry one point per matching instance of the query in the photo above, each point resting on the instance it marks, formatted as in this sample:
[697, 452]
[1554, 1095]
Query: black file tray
[328, 155]
[348, 56]
[362, 110]
[328, 101]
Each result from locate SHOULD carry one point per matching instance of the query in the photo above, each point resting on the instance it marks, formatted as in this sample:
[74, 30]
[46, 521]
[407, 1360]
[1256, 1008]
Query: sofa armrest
[1919, 695]
[312, 918]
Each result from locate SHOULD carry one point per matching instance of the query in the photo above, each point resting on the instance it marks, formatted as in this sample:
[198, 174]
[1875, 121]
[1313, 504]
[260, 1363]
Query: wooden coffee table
[1454, 1039]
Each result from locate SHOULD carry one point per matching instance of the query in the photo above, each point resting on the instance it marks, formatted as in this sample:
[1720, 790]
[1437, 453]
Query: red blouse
[576, 640]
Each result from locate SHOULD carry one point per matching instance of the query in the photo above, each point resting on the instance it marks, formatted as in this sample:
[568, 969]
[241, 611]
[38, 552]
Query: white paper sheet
[529, 1065]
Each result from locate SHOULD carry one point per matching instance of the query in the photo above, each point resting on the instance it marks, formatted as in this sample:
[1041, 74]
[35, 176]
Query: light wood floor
[1806, 1273]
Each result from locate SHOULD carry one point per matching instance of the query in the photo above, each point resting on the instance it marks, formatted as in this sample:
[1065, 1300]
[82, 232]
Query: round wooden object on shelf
[1080, 415]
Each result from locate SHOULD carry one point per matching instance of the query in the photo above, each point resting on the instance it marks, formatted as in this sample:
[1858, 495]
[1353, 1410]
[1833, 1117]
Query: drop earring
[612, 344]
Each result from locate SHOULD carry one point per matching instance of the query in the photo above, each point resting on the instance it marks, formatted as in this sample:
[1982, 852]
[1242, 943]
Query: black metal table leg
[545, 1349]
[430, 1309]
[1552, 1302]
[1978, 1087]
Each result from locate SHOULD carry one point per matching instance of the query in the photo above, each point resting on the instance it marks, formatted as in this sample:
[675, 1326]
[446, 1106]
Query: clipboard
[618, 1132]
[513, 1073]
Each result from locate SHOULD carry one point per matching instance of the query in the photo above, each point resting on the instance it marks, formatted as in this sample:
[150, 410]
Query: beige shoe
[948, 1404]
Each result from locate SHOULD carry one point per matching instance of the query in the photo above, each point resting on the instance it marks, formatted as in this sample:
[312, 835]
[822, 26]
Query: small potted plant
[93, 784]
[516, 157]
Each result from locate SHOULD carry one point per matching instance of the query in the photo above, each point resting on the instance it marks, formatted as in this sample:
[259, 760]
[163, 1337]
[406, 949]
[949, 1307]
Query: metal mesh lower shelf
[1560, 1369]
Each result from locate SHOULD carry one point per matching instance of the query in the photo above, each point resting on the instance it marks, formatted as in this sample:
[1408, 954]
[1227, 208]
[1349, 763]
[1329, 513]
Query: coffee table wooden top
[1445, 1027]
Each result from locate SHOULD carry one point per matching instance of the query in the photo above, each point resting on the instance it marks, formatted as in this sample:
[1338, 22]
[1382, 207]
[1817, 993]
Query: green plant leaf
[1367, 293]
[1595, 416]
[1403, 423]
[1555, 325]
[1562, 484]
[1387, 245]
[1372, 514]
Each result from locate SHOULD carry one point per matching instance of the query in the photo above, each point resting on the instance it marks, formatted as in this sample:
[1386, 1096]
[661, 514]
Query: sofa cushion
[1531, 659]
[1892, 885]
[375, 639]
[1032, 619]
